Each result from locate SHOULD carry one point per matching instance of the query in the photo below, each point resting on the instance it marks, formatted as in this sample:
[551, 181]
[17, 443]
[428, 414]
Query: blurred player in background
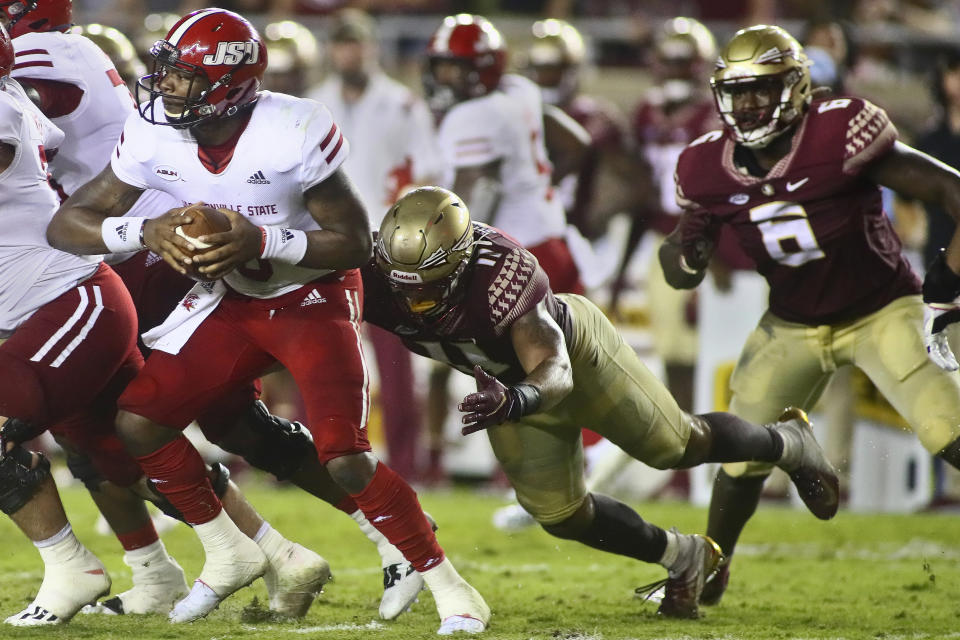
[391, 148]
[675, 111]
[491, 137]
[293, 296]
[294, 55]
[797, 180]
[467, 295]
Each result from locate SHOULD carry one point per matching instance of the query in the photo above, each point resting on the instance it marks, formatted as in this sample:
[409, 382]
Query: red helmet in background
[474, 44]
[215, 47]
[28, 16]
[6, 54]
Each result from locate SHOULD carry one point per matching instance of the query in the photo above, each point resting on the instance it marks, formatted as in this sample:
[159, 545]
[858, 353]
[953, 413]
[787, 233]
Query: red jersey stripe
[333, 154]
[330, 134]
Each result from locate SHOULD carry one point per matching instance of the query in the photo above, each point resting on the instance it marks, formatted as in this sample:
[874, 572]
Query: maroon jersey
[814, 225]
[502, 283]
[661, 135]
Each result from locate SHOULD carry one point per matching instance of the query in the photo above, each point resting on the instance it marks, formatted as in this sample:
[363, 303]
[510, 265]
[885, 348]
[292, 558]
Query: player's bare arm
[568, 143]
[77, 227]
[542, 350]
[540, 347]
[344, 242]
[481, 189]
[678, 271]
[916, 175]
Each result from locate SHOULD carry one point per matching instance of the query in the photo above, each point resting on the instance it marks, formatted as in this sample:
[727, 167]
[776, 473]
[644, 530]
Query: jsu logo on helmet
[233, 53]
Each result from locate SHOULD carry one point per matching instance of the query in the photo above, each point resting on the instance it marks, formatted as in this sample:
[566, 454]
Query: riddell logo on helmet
[233, 53]
[405, 276]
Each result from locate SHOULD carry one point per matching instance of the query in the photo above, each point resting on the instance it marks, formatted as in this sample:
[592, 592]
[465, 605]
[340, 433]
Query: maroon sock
[392, 507]
[178, 472]
[348, 505]
[142, 537]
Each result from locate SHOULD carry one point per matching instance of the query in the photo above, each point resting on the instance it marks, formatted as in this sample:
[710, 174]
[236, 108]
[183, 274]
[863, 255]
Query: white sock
[388, 553]
[262, 531]
[672, 551]
[136, 555]
[219, 533]
[270, 541]
[59, 548]
[791, 445]
[443, 576]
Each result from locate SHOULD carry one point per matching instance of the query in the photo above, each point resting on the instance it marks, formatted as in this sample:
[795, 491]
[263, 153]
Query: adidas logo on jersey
[313, 298]
[258, 178]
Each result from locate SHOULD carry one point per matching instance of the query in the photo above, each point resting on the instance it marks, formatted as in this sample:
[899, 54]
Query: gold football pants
[615, 395]
[786, 364]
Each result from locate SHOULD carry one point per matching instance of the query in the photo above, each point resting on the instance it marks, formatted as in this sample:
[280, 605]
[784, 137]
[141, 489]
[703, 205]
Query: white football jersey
[289, 145]
[507, 125]
[94, 126]
[392, 142]
[32, 273]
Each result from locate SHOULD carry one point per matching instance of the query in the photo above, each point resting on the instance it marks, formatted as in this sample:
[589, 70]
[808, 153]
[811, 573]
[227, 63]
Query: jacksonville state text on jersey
[503, 283]
[289, 145]
[93, 127]
[814, 225]
[32, 273]
[507, 125]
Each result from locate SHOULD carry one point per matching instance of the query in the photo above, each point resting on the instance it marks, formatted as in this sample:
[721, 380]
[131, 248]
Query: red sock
[348, 505]
[142, 537]
[392, 507]
[178, 472]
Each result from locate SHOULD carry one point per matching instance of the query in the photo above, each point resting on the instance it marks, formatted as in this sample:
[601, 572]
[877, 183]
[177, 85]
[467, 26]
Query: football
[205, 221]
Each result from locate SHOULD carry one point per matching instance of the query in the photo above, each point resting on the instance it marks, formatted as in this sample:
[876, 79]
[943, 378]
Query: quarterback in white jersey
[491, 137]
[292, 293]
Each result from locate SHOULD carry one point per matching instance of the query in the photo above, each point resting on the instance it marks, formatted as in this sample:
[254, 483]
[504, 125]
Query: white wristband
[122, 235]
[283, 244]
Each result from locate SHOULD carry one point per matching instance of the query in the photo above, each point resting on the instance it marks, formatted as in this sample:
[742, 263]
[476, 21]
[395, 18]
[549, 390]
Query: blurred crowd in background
[636, 78]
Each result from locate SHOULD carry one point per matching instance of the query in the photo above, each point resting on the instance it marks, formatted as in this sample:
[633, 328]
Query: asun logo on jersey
[166, 172]
[258, 178]
[233, 53]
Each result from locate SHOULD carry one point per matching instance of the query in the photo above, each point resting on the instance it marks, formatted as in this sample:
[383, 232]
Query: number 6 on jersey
[782, 221]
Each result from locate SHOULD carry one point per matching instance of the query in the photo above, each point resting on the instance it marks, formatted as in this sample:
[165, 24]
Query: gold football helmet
[761, 84]
[425, 244]
[554, 59]
[117, 47]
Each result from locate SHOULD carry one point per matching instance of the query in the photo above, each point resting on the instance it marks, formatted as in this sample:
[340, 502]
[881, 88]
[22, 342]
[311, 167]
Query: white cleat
[158, 582]
[401, 586]
[233, 562]
[461, 607]
[464, 624]
[294, 578]
[512, 518]
[66, 588]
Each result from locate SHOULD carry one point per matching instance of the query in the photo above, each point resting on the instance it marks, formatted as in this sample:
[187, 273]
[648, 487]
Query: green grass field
[857, 576]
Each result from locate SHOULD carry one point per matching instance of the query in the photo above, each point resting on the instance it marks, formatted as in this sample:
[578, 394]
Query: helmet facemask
[761, 85]
[760, 108]
[444, 87]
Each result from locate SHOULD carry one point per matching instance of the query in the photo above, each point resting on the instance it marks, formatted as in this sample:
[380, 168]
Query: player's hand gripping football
[160, 236]
[489, 406]
[231, 248]
[941, 309]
